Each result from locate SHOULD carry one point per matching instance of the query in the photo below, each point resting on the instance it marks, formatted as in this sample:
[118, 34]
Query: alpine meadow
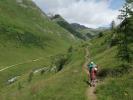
[49, 49]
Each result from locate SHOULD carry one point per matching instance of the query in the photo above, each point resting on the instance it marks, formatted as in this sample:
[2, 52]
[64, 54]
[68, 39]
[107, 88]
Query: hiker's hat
[92, 62]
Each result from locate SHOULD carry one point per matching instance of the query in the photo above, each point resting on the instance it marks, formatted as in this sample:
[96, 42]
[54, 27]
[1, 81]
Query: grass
[119, 88]
[68, 84]
[117, 84]
[26, 34]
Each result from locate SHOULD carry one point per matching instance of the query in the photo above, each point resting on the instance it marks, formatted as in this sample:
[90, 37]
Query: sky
[91, 13]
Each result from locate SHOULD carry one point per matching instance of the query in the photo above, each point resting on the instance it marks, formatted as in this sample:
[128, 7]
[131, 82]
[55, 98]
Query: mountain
[63, 23]
[89, 33]
[78, 26]
[76, 29]
[28, 39]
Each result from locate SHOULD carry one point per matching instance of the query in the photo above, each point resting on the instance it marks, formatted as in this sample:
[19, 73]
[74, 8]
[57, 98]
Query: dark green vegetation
[125, 33]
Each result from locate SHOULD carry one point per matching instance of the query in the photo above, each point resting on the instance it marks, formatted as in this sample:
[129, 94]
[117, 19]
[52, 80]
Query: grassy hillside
[67, 84]
[88, 33]
[63, 23]
[117, 83]
[28, 39]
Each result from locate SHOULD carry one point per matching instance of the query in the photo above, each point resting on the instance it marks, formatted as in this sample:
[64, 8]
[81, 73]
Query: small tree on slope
[113, 40]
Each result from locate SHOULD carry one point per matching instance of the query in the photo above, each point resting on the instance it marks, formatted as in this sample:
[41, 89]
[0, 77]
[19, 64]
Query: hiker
[92, 67]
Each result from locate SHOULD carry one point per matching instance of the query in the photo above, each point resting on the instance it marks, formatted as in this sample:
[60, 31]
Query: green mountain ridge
[26, 33]
[16, 21]
[76, 29]
[63, 23]
[89, 33]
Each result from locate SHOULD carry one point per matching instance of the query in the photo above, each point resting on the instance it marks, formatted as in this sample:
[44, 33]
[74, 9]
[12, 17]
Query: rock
[53, 69]
[12, 80]
[39, 70]
[19, 1]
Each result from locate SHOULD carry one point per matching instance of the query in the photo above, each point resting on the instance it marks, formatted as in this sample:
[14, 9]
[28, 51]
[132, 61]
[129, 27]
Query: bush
[100, 35]
[42, 72]
[118, 71]
[59, 61]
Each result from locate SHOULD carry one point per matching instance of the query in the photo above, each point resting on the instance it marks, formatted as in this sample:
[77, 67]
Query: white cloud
[92, 13]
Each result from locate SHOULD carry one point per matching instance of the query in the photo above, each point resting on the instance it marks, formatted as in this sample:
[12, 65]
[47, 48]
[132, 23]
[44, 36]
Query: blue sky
[91, 13]
[116, 4]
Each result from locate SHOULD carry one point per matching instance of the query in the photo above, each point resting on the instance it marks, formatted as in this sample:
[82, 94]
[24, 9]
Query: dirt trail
[90, 92]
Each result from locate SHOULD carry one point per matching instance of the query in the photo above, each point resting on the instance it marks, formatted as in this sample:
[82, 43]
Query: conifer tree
[123, 31]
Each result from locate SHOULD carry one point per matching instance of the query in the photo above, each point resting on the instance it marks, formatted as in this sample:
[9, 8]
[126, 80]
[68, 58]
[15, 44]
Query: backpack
[90, 66]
